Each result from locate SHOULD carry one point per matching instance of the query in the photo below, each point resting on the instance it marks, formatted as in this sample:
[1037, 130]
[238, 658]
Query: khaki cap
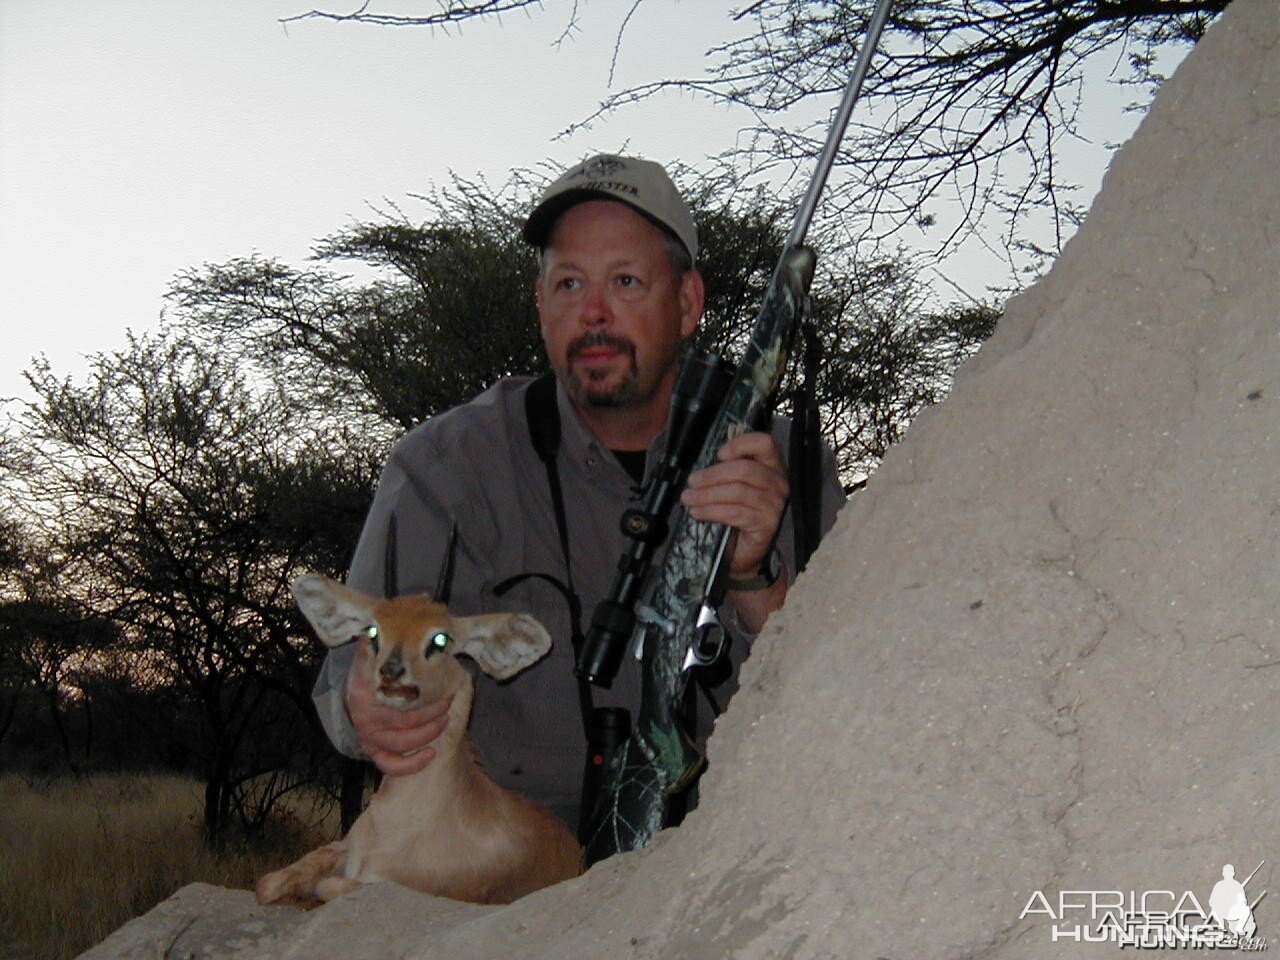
[641, 184]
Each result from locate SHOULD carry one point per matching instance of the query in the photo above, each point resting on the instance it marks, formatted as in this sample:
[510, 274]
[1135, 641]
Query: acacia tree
[10, 562]
[967, 103]
[449, 311]
[43, 643]
[176, 501]
[43, 636]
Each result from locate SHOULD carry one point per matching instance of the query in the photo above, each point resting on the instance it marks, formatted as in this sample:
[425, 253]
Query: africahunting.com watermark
[1154, 919]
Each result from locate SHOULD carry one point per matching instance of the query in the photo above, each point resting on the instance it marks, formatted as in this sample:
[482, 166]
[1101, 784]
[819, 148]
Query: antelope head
[413, 640]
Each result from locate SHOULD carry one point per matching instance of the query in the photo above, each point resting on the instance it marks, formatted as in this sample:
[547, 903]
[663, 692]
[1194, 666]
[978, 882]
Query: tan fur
[447, 830]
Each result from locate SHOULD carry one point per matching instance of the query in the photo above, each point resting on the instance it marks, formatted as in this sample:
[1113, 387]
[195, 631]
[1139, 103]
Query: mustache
[601, 338]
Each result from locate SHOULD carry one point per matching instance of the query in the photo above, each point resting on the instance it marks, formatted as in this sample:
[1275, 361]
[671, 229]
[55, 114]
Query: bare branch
[450, 12]
[617, 42]
[969, 101]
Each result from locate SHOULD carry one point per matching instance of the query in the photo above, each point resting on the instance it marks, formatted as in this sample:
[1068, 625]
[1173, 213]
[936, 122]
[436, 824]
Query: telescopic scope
[700, 388]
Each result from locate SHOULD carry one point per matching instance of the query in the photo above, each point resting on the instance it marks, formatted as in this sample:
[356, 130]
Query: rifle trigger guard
[710, 640]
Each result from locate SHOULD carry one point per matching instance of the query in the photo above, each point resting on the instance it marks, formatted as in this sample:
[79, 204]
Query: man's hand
[746, 489]
[395, 740]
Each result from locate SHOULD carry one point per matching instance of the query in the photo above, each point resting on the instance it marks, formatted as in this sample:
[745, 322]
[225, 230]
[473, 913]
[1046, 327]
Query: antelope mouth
[398, 694]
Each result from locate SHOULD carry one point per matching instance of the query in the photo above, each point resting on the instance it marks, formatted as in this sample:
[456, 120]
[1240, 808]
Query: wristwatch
[768, 574]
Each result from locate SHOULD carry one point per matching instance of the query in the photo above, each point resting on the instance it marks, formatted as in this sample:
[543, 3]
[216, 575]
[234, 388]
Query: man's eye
[628, 280]
[567, 283]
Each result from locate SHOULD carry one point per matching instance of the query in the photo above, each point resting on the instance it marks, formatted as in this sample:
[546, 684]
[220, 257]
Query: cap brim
[537, 229]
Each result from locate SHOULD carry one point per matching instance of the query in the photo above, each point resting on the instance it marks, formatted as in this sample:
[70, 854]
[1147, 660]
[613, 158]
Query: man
[617, 297]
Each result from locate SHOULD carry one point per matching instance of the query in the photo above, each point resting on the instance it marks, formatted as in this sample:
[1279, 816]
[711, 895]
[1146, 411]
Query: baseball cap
[641, 184]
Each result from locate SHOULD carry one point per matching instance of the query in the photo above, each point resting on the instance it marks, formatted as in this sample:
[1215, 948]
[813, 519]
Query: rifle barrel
[804, 216]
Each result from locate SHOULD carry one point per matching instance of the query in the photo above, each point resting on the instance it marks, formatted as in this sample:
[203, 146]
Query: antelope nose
[392, 669]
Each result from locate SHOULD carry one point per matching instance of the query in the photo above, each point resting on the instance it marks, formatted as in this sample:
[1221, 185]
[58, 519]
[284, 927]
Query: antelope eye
[438, 640]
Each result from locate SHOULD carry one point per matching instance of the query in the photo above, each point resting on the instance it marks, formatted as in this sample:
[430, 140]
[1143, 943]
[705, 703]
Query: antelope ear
[338, 613]
[502, 644]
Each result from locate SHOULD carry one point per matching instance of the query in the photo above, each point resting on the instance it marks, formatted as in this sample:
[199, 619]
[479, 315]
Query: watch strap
[768, 574]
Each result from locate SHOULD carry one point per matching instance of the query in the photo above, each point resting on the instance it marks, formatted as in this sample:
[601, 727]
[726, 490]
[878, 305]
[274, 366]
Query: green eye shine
[439, 640]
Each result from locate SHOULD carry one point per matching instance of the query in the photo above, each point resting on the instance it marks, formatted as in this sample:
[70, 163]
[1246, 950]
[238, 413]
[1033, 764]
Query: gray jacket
[476, 464]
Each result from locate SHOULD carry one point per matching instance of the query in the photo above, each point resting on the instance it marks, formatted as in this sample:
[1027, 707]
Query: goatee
[593, 390]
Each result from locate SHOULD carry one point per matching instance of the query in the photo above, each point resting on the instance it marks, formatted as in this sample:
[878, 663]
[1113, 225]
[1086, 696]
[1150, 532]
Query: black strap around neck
[543, 414]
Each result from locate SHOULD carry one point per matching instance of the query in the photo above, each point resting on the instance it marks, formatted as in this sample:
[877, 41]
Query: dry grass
[79, 858]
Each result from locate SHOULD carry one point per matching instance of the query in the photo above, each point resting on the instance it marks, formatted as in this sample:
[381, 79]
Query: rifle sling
[805, 451]
[543, 416]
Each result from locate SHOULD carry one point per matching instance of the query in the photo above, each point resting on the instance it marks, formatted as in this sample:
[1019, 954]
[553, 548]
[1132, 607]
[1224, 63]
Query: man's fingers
[755, 446]
[741, 494]
[399, 764]
[405, 750]
[402, 740]
[747, 490]
[385, 717]
[751, 494]
[749, 473]
[752, 459]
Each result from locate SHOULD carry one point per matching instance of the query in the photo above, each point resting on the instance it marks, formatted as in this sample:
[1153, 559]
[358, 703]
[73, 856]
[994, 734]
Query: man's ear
[338, 614]
[502, 644]
[693, 296]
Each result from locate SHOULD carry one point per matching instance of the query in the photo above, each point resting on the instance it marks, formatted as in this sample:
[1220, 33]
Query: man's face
[612, 307]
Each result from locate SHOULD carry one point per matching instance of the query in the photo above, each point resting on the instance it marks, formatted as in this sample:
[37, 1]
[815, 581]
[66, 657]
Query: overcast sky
[142, 137]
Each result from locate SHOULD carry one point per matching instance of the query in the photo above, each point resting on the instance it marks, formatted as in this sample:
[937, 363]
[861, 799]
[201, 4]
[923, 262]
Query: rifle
[669, 613]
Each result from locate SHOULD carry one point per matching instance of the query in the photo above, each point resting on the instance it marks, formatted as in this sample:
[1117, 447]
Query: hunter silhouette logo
[1229, 905]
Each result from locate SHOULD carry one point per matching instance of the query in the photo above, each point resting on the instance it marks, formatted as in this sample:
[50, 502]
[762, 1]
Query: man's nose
[595, 310]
